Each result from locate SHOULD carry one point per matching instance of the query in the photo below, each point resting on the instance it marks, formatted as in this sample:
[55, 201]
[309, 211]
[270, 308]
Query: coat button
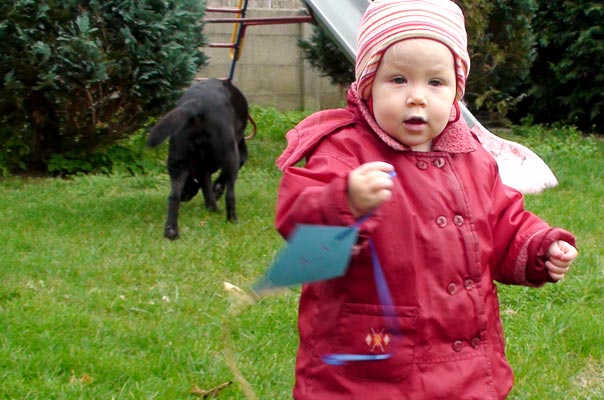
[421, 164]
[475, 342]
[452, 288]
[468, 284]
[439, 162]
[458, 220]
[457, 346]
[441, 221]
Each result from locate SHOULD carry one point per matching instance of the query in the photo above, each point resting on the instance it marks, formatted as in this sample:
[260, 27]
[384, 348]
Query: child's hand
[560, 256]
[369, 185]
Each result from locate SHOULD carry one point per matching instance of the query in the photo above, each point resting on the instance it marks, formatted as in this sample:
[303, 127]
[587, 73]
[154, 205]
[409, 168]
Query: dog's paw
[171, 232]
[212, 208]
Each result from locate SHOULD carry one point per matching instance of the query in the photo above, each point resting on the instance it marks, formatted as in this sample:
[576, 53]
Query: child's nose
[416, 98]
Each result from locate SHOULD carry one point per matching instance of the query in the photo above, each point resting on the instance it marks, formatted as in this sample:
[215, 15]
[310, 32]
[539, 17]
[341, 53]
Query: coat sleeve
[315, 194]
[521, 239]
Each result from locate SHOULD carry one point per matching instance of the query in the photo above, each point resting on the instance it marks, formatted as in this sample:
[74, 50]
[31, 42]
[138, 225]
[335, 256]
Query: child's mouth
[415, 124]
[415, 121]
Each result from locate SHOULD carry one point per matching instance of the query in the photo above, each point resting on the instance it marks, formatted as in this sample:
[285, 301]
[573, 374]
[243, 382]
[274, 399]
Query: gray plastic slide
[519, 167]
[341, 19]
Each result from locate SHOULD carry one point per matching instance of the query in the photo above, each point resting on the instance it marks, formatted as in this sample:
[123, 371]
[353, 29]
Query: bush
[567, 78]
[77, 75]
[500, 42]
[129, 155]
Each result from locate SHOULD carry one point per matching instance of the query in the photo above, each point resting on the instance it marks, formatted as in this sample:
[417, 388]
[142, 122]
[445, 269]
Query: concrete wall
[271, 71]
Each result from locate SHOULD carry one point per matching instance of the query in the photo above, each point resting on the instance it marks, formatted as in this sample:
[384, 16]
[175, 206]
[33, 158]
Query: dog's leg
[230, 172]
[219, 183]
[208, 194]
[229, 199]
[230, 182]
[226, 181]
[177, 184]
[242, 146]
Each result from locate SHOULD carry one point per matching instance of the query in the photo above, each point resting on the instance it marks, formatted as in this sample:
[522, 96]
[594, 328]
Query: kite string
[385, 299]
[380, 282]
[240, 300]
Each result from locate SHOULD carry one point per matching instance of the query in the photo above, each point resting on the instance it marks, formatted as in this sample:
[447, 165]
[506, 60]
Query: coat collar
[456, 138]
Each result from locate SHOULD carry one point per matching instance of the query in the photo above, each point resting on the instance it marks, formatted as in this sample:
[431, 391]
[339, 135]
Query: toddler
[444, 228]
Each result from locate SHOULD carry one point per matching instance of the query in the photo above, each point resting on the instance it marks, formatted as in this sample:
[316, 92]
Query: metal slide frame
[241, 22]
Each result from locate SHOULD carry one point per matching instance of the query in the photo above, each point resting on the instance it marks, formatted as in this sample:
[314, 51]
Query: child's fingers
[562, 250]
[557, 267]
[556, 277]
[369, 185]
[375, 166]
[371, 178]
[556, 272]
[570, 252]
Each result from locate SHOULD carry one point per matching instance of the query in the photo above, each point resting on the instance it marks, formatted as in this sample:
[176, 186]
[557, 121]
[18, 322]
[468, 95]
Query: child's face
[413, 91]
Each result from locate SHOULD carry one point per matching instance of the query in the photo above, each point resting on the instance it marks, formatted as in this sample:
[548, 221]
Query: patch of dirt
[591, 378]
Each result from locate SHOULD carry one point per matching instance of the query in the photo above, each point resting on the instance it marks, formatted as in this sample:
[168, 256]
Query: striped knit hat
[386, 22]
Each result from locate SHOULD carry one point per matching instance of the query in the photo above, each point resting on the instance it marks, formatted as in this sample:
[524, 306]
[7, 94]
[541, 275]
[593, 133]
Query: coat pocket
[376, 329]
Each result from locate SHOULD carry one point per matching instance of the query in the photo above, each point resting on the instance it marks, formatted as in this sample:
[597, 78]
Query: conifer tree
[79, 74]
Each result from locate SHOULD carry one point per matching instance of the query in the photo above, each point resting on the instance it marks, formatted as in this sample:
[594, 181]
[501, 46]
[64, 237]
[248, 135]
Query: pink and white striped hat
[386, 22]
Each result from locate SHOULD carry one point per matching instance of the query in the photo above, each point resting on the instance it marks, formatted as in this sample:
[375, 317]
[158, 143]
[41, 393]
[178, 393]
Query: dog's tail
[254, 128]
[173, 122]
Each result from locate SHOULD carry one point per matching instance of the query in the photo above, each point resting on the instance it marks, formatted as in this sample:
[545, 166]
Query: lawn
[96, 304]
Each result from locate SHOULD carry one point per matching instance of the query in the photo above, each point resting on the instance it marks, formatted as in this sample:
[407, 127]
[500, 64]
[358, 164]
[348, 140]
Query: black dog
[207, 133]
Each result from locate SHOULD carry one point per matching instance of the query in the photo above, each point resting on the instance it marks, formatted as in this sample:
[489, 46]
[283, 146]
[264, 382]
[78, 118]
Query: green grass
[554, 334]
[96, 304]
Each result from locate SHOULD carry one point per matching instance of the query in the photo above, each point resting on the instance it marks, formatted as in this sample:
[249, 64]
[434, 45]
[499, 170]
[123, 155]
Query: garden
[96, 304]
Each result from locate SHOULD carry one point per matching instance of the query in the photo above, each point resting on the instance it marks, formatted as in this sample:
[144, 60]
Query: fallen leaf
[210, 393]
[84, 379]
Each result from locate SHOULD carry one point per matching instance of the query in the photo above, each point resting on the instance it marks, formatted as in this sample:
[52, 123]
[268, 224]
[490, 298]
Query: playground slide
[519, 167]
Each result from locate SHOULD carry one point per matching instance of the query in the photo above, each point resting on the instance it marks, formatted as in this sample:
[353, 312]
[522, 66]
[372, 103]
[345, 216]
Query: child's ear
[455, 112]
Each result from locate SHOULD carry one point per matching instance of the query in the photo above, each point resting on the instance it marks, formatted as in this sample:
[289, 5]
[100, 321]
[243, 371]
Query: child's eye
[399, 80]
[435, 82]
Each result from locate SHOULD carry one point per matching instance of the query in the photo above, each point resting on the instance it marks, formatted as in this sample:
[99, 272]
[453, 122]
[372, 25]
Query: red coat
[450, 229]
